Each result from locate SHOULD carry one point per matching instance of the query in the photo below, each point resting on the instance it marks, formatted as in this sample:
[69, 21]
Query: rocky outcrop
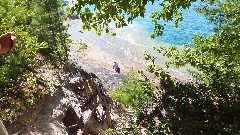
[78, 105]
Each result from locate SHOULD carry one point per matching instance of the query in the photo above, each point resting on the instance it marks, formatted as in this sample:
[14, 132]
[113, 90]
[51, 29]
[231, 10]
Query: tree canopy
[97, 14]
[38, 26]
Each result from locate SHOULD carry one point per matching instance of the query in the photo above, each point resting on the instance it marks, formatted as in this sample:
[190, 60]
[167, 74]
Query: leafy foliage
[217, 57]
[19, 89]
[217, 62]
[98, 14]
[49, 29]
[135, 93]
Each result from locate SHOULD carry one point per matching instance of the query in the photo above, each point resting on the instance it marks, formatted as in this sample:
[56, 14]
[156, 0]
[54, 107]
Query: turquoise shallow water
[193, 24]
[139, 32]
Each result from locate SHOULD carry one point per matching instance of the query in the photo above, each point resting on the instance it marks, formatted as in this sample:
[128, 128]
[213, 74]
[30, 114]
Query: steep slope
[78, 104]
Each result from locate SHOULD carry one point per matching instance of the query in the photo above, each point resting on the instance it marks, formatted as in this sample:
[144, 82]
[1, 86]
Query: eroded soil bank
[77, 104]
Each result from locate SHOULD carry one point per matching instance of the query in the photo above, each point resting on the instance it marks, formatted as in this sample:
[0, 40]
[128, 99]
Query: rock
[79, 106]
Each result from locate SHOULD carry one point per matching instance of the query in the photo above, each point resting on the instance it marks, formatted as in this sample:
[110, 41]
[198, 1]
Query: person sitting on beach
[115, 66]
[7, 42]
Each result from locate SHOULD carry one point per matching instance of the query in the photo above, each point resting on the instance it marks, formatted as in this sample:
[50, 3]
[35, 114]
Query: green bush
[135, 92]
[210, 103]
[19, 89]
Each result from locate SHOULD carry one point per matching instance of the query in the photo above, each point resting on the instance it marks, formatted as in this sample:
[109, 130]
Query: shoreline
[99, 59]
[104, 50]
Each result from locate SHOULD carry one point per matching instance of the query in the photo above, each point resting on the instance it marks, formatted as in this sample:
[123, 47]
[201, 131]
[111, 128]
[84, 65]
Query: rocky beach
[104, 50]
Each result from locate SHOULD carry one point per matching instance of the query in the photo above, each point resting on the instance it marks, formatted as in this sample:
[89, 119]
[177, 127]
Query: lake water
[193, 24]
[128, 46]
